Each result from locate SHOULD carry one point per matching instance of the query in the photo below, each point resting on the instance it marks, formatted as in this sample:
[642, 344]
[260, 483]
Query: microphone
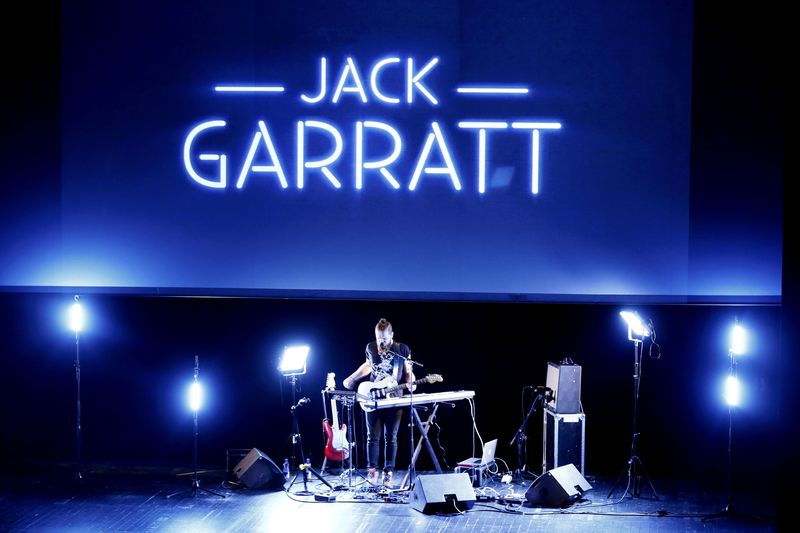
[542, 390]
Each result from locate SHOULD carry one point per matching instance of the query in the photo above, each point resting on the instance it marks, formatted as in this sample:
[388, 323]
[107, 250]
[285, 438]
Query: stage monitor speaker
[256, 471]
[565, 381]
[557, 487]
[442, 493]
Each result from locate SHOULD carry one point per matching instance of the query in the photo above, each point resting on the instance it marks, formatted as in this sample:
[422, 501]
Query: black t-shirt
[384, 365]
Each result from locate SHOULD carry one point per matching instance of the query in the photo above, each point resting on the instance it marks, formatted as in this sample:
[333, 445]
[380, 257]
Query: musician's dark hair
[383, 324]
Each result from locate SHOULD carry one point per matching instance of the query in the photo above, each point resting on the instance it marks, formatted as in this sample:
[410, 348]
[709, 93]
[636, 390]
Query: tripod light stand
[76, 322]
[635, 471]
[195, 402]
[733, 399]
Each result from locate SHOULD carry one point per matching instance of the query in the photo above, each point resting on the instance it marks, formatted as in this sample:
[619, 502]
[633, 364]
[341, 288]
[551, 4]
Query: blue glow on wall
[500, 149]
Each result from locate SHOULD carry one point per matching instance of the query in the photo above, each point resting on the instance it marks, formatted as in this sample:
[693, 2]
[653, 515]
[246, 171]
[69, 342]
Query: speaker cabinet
[557, 487]
[565, 381]
[256, 470]
[442, 493]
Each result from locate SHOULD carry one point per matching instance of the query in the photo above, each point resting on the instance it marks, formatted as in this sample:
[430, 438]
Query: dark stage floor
[46, 498]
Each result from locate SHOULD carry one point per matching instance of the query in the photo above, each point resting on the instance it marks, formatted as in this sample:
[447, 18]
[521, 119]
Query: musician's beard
[385, 349]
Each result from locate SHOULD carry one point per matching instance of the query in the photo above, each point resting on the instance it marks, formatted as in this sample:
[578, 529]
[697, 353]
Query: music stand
[634, 469]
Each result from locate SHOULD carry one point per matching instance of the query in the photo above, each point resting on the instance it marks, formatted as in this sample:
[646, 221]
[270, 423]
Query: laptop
[488, 456]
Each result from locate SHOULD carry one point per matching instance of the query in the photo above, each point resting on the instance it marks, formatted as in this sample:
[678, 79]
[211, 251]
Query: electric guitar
[337, 448]
[388, 388]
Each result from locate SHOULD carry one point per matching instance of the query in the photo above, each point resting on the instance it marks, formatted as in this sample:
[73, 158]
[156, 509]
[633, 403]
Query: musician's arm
[360, 372]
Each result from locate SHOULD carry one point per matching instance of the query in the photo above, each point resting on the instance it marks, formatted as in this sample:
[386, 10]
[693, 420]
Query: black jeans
[386, 421]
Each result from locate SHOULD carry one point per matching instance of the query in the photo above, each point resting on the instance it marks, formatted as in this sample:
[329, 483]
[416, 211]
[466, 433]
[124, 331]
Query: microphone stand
[411, 466]
[520, 438]
[297, 439]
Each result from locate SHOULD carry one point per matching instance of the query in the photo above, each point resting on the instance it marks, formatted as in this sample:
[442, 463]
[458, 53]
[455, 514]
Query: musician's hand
[348, 383]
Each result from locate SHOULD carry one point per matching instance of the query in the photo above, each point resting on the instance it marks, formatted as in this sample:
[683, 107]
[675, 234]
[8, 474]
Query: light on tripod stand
[293, 360]
[635, 471]
[733, 397]
[195, 396]
[76, 319]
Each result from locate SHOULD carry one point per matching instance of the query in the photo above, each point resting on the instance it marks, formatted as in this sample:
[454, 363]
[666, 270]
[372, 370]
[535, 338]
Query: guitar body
[331, 451]
[377, 389]
[388, 388]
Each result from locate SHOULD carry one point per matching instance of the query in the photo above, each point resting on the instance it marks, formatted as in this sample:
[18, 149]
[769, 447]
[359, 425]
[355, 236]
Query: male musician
[385, 359]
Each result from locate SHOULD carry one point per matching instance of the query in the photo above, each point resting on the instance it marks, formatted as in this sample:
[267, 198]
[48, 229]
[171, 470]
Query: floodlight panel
[77, 317]
[294, 359]
[738, 340]
[635, 323]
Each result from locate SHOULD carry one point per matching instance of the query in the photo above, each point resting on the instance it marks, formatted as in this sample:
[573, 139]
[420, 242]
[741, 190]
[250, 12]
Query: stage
[39, 497]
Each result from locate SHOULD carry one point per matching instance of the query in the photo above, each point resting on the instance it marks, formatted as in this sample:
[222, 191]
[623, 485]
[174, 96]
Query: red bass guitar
[337, 448]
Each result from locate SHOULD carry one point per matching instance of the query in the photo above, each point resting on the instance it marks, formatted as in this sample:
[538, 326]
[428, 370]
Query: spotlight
[733, 391]
[738, 340]
[293, 361]
[195, 396]
[635, 324]
[76, 316]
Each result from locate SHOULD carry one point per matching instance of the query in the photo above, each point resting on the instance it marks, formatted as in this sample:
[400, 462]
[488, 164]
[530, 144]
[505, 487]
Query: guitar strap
[397, 368]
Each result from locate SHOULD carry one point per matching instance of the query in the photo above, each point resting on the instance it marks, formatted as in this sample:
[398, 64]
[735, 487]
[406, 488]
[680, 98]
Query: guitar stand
[347, 471]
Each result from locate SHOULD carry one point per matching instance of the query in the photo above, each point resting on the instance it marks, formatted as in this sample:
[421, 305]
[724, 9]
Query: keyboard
[419, 399]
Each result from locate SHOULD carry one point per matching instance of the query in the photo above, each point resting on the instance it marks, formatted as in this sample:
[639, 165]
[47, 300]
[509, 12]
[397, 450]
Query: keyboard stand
[423, 430]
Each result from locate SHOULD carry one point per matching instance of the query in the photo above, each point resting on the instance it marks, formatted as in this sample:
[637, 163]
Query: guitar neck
[405, 385]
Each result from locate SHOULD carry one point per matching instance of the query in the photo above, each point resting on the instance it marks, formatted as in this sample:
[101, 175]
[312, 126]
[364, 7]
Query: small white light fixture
[293, 361]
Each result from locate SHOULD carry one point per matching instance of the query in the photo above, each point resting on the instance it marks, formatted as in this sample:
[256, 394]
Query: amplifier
[565, 381]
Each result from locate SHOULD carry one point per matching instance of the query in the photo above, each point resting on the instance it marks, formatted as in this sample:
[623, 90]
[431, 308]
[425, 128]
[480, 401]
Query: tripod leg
[646, 477]
[626, 472]
[319, 477]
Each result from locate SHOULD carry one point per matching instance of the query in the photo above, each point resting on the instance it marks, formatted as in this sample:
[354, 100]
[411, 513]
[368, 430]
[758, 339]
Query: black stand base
[195, 488]
[635, 472]
[305, 492]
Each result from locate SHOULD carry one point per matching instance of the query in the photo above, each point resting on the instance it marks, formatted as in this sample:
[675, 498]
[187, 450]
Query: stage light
[738, 340]
[195, 396]
[77, 317]
[636, 473]
[635, 324]
[733, 391]
[293, 361]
